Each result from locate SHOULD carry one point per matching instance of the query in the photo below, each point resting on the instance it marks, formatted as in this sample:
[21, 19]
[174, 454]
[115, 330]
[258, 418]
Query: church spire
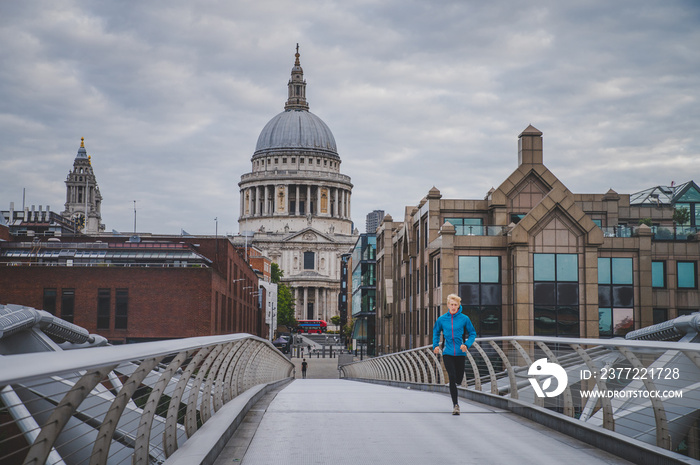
[296, 98]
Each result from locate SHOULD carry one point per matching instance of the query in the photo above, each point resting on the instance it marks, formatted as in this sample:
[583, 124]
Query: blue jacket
[454, 328]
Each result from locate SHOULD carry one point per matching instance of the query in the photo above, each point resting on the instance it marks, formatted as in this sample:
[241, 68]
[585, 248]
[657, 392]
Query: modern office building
[363, 263]
[344, 294]
[295, 203]
[533, 258]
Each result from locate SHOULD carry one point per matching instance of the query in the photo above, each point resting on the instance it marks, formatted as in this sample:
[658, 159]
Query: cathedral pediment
[309, 235]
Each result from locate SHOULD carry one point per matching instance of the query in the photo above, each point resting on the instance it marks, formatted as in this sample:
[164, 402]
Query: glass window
[615, 296]
[687, 278]
[555, 294]
[50, 301]
[605, 322]
[604, 271]
[660, 315]
[480, 290]
[309, 258]
[622, 271]
[468, 269]
[67, 304]
[544, 267]
[467, 226]
[567, 267]
[623, 321]
[658, 274]
[121, 309]
[615, 322]
[490, 270]
[104, 297]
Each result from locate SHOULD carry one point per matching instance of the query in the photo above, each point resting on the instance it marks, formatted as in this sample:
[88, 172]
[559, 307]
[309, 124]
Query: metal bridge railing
[124, 404]
[646, 390]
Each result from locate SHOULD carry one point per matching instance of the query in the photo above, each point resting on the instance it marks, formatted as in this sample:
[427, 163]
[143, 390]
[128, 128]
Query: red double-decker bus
[312, 326]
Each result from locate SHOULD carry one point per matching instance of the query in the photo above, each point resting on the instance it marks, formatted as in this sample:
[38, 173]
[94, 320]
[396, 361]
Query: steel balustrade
[135, 403]
[646, 390]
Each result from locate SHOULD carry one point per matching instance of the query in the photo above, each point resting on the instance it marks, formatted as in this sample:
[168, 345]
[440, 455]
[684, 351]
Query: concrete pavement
[320, 421]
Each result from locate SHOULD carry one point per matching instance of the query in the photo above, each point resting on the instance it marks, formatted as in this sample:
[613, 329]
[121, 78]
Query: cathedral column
[260, 201]
[263, 207]
[241, 210]
[296, 208]
[349, 204]
[269, 200]
[306, 303]
[254, 199]
[318, 200]
[317, 306]
[342, 203]
[308, 198]
[337, 210]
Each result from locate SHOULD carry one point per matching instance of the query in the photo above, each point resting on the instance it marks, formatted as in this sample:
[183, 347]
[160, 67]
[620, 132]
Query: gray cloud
[171, 97]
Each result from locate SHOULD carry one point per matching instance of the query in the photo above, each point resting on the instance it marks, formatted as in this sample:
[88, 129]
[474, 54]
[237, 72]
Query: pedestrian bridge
[234, 399]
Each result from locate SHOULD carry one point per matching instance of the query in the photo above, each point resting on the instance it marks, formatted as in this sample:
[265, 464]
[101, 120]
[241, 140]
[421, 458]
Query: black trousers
[454, 364]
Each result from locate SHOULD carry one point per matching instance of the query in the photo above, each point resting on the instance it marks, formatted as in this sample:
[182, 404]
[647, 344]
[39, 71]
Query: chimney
[530, 147]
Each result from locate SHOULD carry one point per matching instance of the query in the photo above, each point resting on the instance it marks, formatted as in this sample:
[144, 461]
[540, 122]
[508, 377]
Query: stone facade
[83, 198]
[297, 203]
[533, 258]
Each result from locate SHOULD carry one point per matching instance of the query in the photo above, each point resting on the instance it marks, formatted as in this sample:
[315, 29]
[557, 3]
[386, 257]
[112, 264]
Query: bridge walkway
[335, 421]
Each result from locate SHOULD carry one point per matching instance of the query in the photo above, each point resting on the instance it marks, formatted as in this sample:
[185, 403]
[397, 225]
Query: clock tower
[83, 198]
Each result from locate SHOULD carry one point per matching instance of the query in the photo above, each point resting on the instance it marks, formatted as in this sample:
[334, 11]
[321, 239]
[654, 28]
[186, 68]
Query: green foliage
[275, 273]
[335, 319]
[681, 215]
[347, 329]
[646, 221]
[285, 307]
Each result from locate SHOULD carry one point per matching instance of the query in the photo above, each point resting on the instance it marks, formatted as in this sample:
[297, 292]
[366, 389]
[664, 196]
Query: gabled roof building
[534, 258]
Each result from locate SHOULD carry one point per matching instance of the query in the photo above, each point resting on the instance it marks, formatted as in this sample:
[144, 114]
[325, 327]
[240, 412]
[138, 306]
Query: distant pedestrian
[304, 365]
[459, 335]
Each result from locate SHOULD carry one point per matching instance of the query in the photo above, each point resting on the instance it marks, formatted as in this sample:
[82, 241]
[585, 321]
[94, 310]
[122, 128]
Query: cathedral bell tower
[83, 198]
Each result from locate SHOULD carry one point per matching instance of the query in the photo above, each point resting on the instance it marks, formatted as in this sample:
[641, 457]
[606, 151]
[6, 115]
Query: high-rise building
[295, 203]
[374, 219]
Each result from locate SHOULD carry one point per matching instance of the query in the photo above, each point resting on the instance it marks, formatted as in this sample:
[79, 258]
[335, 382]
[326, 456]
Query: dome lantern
[296, 95]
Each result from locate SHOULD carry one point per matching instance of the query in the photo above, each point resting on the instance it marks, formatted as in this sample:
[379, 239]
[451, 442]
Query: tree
[285, 300]
[347, 330]
[646, 221]
[681, 216]
[285, 307]
[335, 319]
[275, 273]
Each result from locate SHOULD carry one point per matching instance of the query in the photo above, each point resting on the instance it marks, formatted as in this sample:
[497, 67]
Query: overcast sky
[172, 95]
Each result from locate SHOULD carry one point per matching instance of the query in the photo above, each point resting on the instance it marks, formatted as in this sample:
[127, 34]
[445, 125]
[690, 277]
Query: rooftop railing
[476, 230]
[134, 403]
[648, 391]
[660, 233]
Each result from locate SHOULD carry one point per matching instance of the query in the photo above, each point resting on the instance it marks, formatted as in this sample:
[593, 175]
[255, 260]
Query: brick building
[132, 290]
[533, 258]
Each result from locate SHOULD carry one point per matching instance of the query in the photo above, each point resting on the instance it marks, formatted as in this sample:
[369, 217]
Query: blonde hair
[454, 297]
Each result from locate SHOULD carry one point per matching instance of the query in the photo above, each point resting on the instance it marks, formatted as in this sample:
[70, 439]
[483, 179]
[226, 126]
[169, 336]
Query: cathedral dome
[296, 130]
